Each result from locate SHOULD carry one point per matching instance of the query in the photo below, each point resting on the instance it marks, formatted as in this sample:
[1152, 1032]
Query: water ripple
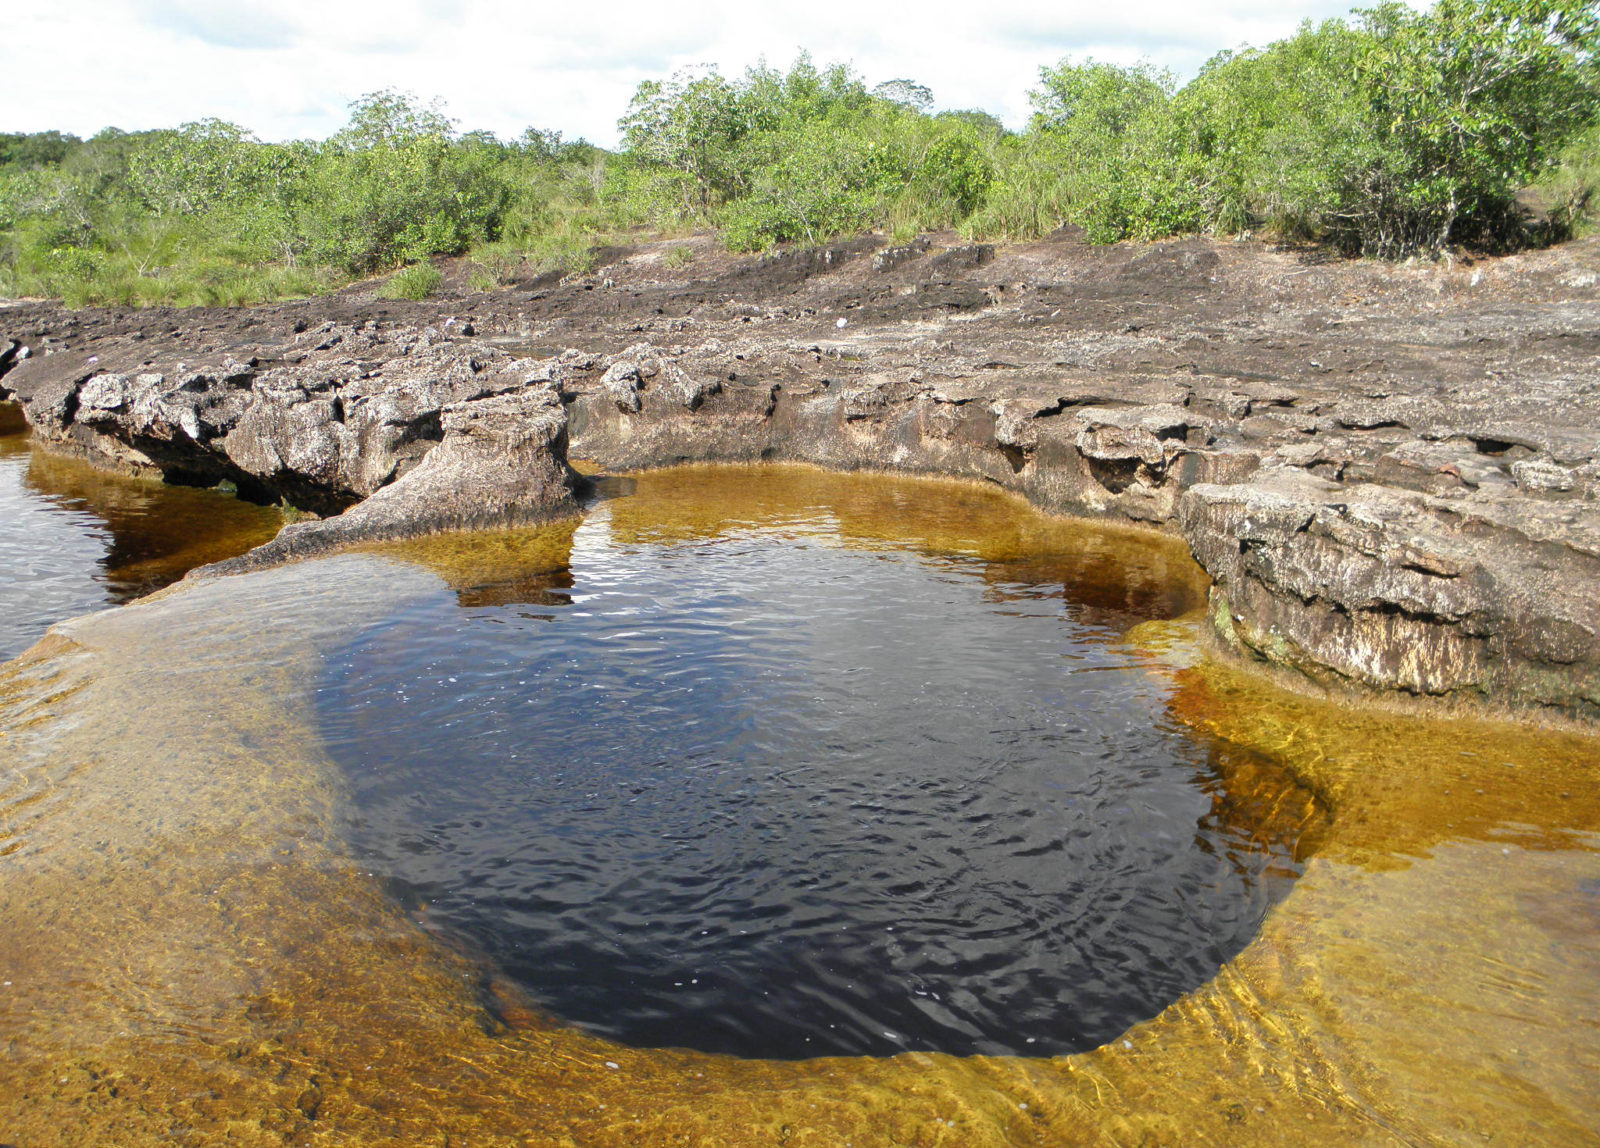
[781, 798]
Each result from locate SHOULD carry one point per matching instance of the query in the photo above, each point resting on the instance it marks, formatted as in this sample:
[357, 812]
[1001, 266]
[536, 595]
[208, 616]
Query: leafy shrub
[394, 186]
[1393, 132]
[1399, 133]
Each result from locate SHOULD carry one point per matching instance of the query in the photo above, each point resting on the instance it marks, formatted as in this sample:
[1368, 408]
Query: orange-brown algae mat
[190, 956]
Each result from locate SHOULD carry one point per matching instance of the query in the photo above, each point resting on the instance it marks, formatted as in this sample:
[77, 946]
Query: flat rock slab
[1391, 473]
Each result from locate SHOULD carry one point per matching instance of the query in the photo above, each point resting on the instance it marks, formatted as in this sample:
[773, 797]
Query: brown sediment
[12, 420]
[192, 956]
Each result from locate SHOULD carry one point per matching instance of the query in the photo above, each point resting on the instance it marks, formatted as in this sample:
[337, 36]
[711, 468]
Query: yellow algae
[193, 957]
[1400, 785]
[1106, 566]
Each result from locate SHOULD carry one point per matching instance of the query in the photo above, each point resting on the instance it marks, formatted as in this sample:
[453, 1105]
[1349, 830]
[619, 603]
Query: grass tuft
[416, 282]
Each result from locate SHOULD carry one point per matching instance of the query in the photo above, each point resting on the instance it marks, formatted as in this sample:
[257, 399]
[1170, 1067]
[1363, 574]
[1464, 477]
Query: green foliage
[568, 248]
[1400, 133]
[27, 150]
[690, 125]
[1468, 101]
[1097, 104]
[1572, 189]
[801, 155]
[395, 185]
[415, 282]
[493, 266]
[1391, 133]
[156, 217]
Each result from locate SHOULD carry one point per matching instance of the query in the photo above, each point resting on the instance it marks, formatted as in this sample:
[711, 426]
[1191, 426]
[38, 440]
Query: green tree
[26, 150]
[196, 168]
[691, 125]
[1095, 100]
[395, 185]
[1469, 101]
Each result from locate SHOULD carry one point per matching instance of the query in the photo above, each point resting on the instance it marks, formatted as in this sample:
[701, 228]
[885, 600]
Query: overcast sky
[289, 68]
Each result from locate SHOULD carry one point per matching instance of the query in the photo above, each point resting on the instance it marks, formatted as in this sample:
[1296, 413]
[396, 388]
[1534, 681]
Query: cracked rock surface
[1391, 473]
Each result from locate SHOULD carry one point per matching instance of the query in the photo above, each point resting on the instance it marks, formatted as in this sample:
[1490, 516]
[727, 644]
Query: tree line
[1392, 133]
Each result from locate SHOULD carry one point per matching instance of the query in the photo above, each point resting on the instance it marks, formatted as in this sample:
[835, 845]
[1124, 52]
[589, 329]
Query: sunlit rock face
[1392, 589]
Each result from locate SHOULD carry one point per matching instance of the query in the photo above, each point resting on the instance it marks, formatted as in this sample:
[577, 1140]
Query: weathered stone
[501, 462]
[1542, 477]
[1381, 502]
[1392, 589]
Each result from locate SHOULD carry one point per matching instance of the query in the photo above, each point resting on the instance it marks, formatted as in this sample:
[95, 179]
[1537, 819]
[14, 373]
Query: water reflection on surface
[74, 538]
[194, 955]
[774, 772]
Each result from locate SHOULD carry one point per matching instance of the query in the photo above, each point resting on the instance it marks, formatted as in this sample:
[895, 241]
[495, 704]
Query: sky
[288, 69]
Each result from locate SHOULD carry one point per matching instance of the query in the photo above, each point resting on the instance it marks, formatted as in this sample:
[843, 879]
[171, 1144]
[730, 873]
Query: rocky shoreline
[1391, 474]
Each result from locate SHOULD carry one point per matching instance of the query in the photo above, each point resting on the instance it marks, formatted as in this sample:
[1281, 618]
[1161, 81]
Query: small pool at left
[74, 538]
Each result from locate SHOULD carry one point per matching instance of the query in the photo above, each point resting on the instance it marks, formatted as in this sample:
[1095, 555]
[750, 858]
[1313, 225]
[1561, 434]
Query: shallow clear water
[75, 539]
[189, 951]
[770, 788]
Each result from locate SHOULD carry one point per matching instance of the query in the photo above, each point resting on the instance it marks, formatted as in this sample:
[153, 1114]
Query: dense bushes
[1395, 133]
[207, 213]
[1390, 134]
[799, 155]
[1399, 133]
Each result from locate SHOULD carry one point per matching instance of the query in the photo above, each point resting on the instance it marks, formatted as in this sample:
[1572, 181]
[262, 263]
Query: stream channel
[761, 797]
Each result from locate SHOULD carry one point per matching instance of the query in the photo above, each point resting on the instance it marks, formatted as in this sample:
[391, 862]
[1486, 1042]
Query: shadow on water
[790, 765]
[77, 538]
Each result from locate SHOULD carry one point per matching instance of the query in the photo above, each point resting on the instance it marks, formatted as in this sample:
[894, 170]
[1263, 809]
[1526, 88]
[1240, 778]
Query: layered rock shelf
[1391, 474]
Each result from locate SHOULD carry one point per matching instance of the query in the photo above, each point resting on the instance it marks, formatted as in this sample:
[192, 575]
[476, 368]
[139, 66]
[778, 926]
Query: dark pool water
[770, 790]
[75, 539]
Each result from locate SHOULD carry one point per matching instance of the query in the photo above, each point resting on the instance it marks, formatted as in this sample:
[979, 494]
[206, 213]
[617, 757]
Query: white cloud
[251, 27]
[288, 68]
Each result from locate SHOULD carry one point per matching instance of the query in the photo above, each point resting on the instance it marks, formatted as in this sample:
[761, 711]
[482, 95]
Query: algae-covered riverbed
[241, 901]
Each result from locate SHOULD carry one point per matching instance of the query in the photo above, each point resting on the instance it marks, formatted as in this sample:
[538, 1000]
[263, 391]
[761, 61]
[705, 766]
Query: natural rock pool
[243, 900]
[770, 772]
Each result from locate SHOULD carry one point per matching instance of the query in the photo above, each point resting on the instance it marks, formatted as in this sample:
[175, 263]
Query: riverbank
[1390, 473]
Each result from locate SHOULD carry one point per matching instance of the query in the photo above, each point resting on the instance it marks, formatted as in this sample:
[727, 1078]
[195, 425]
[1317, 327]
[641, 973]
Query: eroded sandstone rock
[1392, 474]
[501, 462]
[1395, 589]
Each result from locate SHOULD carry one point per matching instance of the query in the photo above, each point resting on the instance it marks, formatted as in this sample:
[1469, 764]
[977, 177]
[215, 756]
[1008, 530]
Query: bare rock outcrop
[1391, 474]
[389, 433]
[1386, 588]
[321, 418]
[502, 462]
